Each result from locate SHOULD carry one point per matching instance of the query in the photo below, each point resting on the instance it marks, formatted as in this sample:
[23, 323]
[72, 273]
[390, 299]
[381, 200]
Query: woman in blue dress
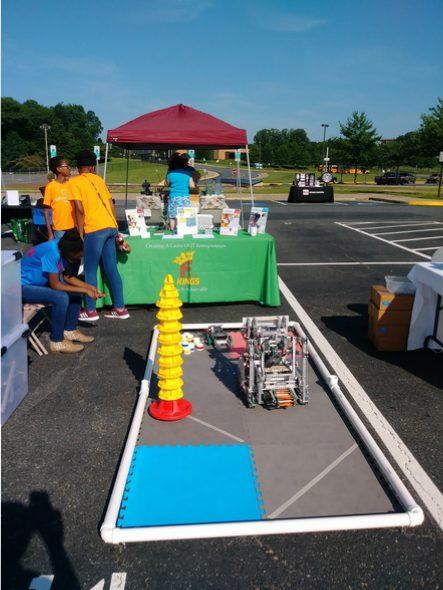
[179, 181]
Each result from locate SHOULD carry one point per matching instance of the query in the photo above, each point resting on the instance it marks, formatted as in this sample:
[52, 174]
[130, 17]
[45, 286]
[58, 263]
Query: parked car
[394, 178]
[432, 179]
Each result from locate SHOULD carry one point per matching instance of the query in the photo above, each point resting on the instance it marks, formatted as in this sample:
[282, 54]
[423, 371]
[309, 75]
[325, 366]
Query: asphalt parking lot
[62, 445]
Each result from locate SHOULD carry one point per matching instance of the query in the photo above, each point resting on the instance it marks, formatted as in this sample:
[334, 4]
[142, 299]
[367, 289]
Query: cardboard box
[371, 328]
[389, 338]
[383, 299]
[386, 317]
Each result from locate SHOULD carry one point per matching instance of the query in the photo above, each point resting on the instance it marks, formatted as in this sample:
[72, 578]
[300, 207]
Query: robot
[273, 369]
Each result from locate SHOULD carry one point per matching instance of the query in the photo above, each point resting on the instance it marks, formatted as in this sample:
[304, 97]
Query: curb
[386, 200]
[426, 203]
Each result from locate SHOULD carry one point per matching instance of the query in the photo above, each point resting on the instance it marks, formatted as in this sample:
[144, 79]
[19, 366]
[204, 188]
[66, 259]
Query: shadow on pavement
[19, 524]
[424, 364]
[135, 362]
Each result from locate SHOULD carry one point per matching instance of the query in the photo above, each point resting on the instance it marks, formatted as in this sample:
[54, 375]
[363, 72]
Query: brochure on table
[230, 222]
[136, 223]
[258, 219]
[187, 221]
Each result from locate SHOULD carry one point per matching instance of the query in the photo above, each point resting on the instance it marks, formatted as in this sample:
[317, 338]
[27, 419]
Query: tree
[360, 140]
[72, 129]
[282, 147]
[431, 130]
[27, 162]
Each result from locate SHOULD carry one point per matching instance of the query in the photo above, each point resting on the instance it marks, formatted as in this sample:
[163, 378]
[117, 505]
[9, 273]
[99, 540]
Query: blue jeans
[64, 311]
[59, 233]
[101, 244]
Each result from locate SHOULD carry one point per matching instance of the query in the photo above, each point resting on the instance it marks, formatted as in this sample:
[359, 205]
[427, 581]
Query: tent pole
[249, 175]
[106, 161]
[127, 174]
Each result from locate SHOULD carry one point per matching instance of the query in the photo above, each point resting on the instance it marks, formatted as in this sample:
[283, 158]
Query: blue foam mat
[173, 485]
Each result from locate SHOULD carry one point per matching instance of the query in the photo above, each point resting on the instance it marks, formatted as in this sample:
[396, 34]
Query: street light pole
[46, 128]
[440, 159]
[324, 125]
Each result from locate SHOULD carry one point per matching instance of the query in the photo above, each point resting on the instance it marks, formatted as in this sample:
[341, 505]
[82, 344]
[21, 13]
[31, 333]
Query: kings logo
[184, 261]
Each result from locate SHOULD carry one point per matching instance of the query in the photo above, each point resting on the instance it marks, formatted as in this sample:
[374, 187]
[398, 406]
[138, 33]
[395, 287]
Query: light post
[440, 159]
[46, 128]
[325, 126]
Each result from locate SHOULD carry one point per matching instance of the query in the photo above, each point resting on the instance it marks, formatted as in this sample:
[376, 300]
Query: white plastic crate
[14, 370]
[399, 285]
[11, 292]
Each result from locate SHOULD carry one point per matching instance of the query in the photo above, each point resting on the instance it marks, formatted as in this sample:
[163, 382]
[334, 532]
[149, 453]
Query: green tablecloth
[225, 268]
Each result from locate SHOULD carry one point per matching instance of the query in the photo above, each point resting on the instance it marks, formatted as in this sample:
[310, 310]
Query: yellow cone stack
[170, 357]
[170, 351]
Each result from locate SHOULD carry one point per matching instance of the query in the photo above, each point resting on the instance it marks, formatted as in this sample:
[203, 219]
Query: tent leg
[106, 161]
[127, 175]
[249, 175]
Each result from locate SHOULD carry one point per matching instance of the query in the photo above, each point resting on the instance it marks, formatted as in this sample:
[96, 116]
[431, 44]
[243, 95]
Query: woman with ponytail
[48, 277]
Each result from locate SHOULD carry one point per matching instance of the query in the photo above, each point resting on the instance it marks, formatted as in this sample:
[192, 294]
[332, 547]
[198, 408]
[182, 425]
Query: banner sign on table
[226, 268]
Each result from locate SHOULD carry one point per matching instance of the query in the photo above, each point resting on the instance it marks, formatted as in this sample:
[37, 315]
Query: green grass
[138, 171]
[222, 163]
[342, 189]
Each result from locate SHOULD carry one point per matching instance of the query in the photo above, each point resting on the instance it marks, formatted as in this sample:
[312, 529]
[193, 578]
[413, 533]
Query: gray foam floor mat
[308, 461]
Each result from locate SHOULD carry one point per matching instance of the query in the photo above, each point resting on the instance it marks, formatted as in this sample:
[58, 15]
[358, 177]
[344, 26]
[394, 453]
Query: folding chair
[30, 310]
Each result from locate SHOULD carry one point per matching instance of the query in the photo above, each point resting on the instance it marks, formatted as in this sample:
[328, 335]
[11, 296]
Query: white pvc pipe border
[110, 533]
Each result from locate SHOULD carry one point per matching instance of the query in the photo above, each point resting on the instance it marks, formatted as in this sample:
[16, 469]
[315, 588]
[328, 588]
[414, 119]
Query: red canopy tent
[176, 127]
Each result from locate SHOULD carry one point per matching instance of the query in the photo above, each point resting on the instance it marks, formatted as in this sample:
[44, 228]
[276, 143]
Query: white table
[426, 329]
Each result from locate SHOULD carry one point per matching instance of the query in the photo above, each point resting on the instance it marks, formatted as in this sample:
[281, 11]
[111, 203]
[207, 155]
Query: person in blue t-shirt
[47, 277]
[179, 182]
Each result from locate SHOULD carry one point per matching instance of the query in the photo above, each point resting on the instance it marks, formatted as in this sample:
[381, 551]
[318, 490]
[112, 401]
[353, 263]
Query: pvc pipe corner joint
[107, 533]
[416, 516]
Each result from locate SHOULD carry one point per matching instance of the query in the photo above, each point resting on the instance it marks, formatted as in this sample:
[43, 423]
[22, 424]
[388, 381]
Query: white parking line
[406, 231]
[312, 483]
[118, 581]
[378, 263]
[216, 428]
[281, 203]
[417, 239]
[396, 225]
[430, 248]
[383, 240]
[411, 468]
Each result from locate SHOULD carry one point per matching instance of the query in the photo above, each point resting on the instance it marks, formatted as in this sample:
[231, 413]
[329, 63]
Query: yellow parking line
[427, 203]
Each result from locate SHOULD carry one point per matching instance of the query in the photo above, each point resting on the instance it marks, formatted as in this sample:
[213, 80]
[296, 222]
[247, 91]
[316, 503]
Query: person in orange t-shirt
[97, 222]
[57, 197]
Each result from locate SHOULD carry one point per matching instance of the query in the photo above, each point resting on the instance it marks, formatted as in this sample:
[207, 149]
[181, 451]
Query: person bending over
[57, 197]
[47, 277]
[179, 181]
[97, 224]
[190, 170]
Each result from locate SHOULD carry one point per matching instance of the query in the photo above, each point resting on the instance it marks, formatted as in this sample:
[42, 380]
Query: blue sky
[256, 64]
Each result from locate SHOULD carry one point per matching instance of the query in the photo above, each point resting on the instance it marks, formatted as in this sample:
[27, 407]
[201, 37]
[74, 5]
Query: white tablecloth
[428, 280]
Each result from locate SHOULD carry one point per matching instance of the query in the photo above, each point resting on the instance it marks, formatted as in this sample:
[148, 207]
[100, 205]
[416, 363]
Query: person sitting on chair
[47, 277]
